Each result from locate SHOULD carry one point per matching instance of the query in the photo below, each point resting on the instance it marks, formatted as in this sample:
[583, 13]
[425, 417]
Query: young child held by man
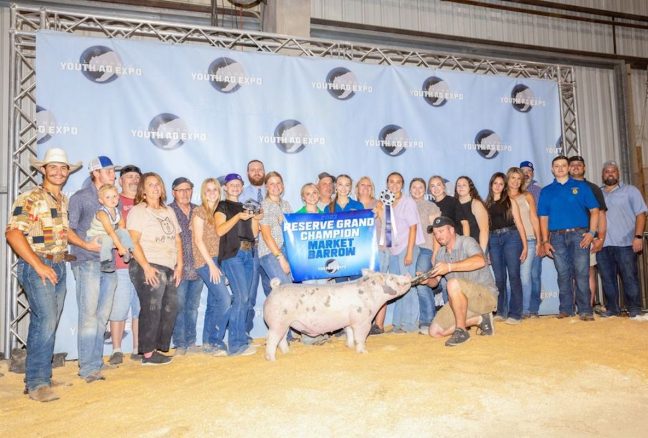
[110, 227]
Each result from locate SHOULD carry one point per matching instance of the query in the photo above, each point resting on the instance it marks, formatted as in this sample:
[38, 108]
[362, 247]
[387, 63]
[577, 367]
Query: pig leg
[361, 331]
[283, 344]
[349, 336]
[271, 344]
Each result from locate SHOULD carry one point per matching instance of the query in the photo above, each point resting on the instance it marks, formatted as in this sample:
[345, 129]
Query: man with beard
[255, 190]
[577, 172]
[38, 233]
[471, 286]
[125, 294]
[256, 175]
[623, 240]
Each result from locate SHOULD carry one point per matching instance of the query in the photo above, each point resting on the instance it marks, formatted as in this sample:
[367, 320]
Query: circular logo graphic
[167, 131]
[435, 89]
[290, 136]
[102, 64]
[521, 97]
[224, 73]
[45, 123]
[341, 83]
[392, 138]
[486, 137]
[331, 266]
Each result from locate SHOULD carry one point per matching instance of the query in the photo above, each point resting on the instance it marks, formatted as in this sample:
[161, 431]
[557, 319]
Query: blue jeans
[184, 332]
[241, 271]
[272, 269]
[95, 292]
[406, 307]
[504, 250]
[107, 244]
[572, 263]
[265, 283]
[125, 298]
[46, 304]
[622, 260]
[427, 309]
[536, 275]
[525, 275]
[218, 309]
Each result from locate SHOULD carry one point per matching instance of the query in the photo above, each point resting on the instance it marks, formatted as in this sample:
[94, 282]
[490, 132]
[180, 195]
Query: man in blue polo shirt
[567, 233]
[623, 240]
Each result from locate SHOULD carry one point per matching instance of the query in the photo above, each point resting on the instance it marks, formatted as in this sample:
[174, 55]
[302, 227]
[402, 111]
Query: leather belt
[502, 230]
[569, 230]
[247, 245]
[58, 258]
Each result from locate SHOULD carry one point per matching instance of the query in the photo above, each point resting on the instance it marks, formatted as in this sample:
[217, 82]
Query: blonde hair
[209, 213]
[105, 188]
[518, 171]
[304, 187]
[357, 187]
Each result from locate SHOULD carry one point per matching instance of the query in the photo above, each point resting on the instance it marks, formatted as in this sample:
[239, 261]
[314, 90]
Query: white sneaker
[512, 321]
[249, 351]
[643, 317]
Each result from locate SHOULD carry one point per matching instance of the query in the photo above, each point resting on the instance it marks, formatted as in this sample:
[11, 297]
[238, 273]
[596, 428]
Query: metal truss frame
[26, 21]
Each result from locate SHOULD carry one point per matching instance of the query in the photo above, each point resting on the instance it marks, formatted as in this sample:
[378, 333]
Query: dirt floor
[544, 377]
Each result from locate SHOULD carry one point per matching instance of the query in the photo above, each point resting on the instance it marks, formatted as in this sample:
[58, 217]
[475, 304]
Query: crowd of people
[133, 252]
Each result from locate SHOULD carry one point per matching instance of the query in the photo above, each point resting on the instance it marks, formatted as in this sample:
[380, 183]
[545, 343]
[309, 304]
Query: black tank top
[466, 213]
[499, 218]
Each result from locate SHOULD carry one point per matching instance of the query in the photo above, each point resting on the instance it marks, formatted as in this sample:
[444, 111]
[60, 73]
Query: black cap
[440, 222]
[181, 180]
[129, 168]
[576, 158]
[325, 175]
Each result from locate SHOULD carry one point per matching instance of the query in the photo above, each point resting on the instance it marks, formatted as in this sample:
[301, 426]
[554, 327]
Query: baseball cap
[610, 163]
[101, 162]
[181, 180]
[527, 164]
[576, 158]
[440, 222]
[232, 176]
[325, 175]
[129, 168]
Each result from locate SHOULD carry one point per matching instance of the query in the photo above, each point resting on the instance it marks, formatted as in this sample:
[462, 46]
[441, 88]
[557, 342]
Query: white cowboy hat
[54, 155]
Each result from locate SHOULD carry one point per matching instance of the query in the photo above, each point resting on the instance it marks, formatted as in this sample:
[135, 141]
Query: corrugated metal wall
[449, 18]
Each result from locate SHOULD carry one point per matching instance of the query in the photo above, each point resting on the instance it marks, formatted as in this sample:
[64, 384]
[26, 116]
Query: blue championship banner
[330, 245]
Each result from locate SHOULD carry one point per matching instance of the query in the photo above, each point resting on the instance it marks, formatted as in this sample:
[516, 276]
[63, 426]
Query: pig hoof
[270, 357]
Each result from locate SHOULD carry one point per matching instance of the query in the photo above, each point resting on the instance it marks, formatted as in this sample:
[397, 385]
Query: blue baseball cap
[101, 162]
[526, 164]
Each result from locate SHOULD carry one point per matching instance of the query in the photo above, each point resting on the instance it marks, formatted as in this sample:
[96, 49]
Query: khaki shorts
[480, 301]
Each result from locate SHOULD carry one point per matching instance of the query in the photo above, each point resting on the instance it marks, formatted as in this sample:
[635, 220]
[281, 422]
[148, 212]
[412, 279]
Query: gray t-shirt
[466, 246]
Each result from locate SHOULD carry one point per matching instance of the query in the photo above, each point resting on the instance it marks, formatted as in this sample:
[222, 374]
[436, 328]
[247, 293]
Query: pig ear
[388, 290]
[366, 272]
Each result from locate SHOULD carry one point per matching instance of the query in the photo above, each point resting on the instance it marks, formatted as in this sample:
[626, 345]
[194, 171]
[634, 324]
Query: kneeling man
[471, 287]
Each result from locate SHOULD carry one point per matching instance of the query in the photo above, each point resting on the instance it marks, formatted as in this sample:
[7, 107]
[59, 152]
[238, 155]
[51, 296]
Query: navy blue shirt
[567, 205]
[83, 206]
[352, 205]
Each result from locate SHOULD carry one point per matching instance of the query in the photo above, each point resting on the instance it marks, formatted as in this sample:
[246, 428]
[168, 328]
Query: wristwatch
[638, 236]
[594, 233]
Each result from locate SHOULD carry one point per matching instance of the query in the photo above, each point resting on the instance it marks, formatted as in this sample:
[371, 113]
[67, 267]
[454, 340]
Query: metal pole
[10, 283]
